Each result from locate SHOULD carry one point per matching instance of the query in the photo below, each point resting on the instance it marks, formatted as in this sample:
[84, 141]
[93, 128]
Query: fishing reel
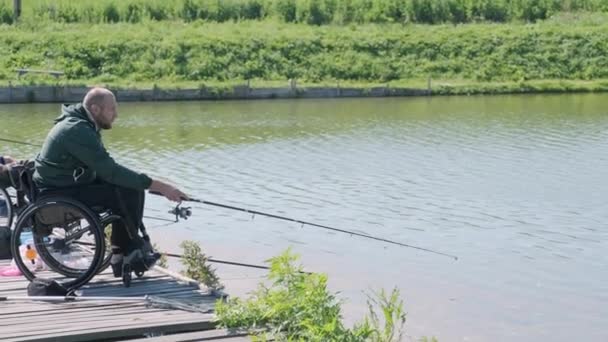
[181, 212]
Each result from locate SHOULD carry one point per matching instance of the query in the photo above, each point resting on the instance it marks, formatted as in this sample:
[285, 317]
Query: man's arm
[167, 190]
[86, 147]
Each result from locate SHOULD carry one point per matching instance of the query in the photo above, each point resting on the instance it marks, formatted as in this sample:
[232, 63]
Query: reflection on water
[513, 185]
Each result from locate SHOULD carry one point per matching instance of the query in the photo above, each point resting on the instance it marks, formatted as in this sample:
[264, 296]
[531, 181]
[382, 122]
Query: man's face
[105, 114]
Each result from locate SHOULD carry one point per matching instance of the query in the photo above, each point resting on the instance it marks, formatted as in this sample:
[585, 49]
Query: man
[6, 160]
[74, 162]
[4, 183]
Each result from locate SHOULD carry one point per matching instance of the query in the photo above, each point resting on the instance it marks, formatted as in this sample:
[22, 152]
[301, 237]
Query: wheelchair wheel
[60, 239]
[6, 209]
[69, 270]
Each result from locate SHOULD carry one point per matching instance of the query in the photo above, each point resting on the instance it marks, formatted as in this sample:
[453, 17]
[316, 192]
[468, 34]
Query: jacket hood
[76, 111]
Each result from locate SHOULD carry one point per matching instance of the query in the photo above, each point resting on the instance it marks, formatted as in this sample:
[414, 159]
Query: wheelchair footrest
[138, 262]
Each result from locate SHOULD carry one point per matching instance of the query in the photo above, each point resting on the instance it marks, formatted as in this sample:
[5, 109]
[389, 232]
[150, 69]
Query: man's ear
[94, 109]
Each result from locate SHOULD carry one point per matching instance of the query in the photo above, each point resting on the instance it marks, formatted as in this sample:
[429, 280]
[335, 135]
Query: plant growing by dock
[299, 306]
[197, 267]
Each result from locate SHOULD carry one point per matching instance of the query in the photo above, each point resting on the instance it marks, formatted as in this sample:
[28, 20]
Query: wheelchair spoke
[59, 239]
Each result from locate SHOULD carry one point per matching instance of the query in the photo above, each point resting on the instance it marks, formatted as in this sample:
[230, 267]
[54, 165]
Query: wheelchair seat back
[51, 217]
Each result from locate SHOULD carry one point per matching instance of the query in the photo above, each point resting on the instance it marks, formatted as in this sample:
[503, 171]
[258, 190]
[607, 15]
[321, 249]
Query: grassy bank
[314, 12]
[569, 53]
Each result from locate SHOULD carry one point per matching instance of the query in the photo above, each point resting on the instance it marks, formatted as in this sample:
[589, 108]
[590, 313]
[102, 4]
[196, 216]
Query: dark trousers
[125, 202]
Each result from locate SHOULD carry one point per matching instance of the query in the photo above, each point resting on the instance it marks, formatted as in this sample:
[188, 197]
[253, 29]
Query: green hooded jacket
[73, 154]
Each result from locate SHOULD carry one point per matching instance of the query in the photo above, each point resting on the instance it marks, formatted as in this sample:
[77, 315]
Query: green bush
[110, 14]
[6, 14]
[197, 267]
[298, 307]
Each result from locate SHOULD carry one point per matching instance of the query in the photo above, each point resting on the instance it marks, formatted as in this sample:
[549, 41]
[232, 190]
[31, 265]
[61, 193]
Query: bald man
[5, 182]
[73, 162]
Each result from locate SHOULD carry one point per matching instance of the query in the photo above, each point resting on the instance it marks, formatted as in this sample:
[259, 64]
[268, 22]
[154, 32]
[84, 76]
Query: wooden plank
[141, 293]
[75, 316]
[125, 317]
[99, 281]
[178, 276]
[107, 333]
[9, 308]
[100, 320]
[92, 321]
[30, 308]
[136, 282]
[179, 297]
[33, 310]
[12, 279]
[228, 335]
[166, 320]
[135, 291]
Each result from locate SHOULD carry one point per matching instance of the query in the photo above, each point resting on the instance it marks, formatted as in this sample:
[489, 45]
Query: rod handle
[183, 199]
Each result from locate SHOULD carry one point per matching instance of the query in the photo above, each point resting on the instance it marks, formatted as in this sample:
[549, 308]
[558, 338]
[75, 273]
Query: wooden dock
[103, 320]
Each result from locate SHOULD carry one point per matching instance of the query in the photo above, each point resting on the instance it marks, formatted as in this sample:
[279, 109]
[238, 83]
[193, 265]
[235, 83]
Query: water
[513, 185]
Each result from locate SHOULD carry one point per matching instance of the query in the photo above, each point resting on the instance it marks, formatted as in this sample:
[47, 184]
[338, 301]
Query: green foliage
[388, 327]
[168, 52]
[197, 266]
[6, 13]
[110, 14]
[298, 306]
[313, 12]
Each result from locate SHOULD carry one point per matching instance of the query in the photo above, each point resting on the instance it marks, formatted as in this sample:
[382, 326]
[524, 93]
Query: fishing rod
[185, 212]
[227, 262]
[19, 142]
[158, 218]
[211, 260]
[147, 217]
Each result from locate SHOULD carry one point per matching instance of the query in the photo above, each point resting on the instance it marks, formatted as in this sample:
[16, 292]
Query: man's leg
[131, 204]
[121, 201]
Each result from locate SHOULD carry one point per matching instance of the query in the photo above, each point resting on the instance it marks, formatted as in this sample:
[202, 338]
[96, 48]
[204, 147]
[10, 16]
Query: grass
[311, 12]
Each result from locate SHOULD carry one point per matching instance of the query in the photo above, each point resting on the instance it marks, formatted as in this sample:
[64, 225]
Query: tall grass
[314, 12]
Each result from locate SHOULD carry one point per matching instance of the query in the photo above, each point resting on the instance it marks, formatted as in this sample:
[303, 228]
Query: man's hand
[8, 160]
[172, 193]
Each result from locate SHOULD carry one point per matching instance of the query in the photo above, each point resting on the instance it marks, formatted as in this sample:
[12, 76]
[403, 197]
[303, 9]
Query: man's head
[101, 103]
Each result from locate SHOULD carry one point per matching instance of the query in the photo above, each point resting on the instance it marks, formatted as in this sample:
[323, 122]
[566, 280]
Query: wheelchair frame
[23, 215]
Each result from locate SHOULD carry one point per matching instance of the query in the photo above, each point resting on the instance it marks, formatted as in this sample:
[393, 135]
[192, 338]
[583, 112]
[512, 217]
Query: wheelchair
[60, 238]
